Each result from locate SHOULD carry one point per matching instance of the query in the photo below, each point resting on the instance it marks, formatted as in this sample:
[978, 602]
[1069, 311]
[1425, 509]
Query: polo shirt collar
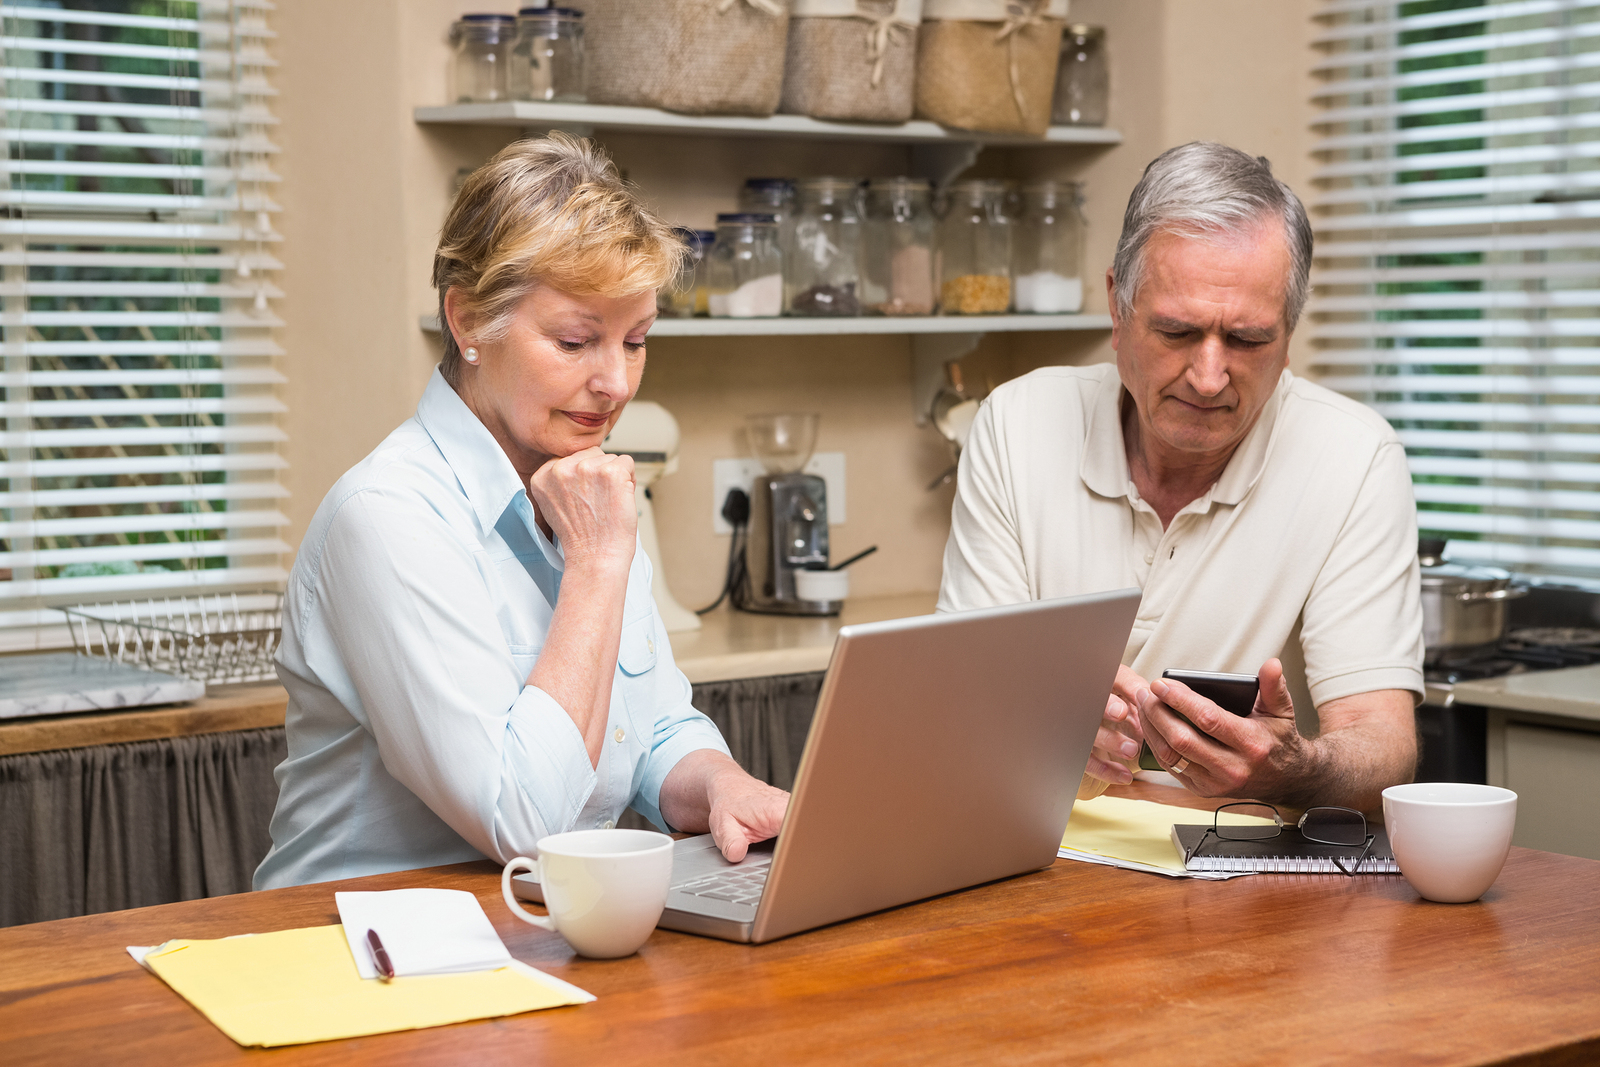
[488, 479]
[1104, 467]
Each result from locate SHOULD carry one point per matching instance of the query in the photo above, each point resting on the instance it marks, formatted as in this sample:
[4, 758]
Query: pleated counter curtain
[108, 827]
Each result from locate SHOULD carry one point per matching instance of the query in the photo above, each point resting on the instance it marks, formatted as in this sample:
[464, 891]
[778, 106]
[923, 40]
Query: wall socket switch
[729, 474]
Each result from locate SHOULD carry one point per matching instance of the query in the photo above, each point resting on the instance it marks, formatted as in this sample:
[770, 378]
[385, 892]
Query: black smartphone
[1231, 692]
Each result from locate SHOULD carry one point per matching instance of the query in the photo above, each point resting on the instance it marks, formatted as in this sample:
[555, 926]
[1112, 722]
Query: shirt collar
[487, 477]
[1104, 467]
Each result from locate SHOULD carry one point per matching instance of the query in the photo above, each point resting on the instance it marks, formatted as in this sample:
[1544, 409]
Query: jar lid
[481, 19]
[746, 218]
[704, 237]
[826, 182]
[908, 185]
[693, 238]
[769, 183]
[1080, 29]
[549, 12]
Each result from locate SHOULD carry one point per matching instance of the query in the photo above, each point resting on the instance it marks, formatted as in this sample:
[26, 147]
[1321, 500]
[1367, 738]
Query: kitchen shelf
[818, 326]
[528, 113]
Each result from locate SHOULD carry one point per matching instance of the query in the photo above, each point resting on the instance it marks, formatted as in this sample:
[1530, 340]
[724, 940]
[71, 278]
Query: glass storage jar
[547, 62]
[822, 266]
[975, 250]
[1047, 250]
[482, 47]
[897, 248]
[771, 196]
[679, 297]
[1083, 83]
[745, 273]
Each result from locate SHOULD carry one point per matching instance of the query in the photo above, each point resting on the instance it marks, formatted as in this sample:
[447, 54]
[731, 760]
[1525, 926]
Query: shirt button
[619, 735]
[1149, 557]
[609, 824]
[650, 645]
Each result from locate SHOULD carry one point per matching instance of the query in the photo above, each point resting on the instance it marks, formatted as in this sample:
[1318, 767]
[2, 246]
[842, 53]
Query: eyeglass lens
[1239, 822]
[1334, 826]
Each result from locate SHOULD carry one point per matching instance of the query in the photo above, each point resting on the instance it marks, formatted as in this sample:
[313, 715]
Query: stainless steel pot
[1463, 607]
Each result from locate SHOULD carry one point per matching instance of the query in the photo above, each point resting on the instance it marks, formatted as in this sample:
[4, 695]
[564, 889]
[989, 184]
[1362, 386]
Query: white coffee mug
[1450, 838]
[604, 889]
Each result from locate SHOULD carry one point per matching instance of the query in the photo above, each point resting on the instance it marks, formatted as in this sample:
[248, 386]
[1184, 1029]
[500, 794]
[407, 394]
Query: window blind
[1457, 270]
[140, 445]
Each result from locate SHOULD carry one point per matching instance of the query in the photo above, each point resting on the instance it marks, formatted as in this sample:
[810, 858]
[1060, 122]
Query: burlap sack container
[995, 74]
[851, 60]
[698, 57]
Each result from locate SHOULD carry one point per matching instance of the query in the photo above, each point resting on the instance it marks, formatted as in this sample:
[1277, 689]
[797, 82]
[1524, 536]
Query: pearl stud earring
[471, 355]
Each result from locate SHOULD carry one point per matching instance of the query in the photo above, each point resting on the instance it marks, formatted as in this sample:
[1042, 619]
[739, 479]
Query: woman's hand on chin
[587, 501]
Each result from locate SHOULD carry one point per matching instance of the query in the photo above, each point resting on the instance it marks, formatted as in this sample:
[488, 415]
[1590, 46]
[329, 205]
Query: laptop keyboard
[737, 885]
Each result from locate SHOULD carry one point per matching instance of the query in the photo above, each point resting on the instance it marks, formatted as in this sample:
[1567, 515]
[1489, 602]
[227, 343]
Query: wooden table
[1077, 963]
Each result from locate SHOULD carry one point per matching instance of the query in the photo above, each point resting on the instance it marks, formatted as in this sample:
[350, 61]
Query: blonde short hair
[552, 211]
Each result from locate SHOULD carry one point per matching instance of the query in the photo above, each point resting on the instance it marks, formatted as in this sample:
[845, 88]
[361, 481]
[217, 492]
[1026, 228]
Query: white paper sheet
[1130, 865]
[425, 931]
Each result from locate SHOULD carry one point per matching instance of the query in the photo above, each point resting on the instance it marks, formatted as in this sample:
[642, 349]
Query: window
[139, 451]
[1458, 261]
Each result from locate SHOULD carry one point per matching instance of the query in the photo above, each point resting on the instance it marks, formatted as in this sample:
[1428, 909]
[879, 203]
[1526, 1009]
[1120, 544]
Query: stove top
[1536, 648]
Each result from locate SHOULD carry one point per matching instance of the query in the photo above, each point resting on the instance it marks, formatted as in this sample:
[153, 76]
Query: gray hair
[1201, 189]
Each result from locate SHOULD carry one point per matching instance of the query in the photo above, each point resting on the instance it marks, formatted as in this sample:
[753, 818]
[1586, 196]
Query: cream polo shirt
[1309, 538]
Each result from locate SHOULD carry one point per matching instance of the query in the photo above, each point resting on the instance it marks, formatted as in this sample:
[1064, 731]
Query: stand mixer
[788, 516]
[648, 432]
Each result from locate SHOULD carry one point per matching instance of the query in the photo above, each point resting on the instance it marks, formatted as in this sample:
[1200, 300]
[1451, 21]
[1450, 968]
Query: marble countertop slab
[58, 683]
[1572, 691]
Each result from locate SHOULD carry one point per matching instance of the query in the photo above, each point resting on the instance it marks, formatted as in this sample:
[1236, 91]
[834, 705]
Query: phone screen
[1231, 692]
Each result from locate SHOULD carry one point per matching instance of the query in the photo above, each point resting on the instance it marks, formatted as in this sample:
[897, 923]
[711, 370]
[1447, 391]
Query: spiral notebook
[1288, 853]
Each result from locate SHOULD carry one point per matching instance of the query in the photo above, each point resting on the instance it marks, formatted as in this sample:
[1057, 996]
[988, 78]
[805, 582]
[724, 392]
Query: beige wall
[365, 189]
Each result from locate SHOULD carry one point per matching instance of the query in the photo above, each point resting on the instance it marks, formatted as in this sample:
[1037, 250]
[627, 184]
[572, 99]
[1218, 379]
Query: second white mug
[1450, 838]
[604, 889]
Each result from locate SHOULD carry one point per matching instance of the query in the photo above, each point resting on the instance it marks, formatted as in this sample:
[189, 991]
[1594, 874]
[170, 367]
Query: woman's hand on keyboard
[707, 791]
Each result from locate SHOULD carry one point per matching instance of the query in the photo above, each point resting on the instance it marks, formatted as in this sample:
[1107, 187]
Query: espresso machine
[788, 518]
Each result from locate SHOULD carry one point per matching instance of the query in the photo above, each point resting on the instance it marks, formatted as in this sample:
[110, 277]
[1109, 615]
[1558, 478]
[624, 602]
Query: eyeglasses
[1344, 827]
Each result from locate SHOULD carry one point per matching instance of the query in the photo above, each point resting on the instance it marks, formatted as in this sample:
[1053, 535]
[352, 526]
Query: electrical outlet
[729, 474]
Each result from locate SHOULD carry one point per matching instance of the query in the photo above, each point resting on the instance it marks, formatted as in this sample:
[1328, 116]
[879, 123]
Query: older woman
[471, 650]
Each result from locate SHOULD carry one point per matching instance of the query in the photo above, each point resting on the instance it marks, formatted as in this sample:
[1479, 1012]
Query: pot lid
[1464, 576]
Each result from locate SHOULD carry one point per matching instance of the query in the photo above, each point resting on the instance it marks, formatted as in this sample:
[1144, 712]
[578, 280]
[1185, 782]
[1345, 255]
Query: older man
[1263, 516]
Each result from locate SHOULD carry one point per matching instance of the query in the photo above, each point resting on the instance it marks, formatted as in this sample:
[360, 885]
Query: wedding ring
[1179, 767]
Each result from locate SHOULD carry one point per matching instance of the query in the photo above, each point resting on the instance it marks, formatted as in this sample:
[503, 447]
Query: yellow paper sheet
[1136, 830]
[295, 986]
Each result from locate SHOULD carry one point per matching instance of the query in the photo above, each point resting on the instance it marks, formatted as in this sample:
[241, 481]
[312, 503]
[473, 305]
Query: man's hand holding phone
[1217, 751]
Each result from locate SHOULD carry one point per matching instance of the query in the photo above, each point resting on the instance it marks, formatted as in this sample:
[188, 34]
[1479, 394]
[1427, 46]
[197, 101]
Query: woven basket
[965, 68]
[853, 68]
[693, 56]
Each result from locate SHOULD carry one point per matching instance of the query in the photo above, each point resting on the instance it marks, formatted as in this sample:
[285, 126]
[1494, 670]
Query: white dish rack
[227, 637]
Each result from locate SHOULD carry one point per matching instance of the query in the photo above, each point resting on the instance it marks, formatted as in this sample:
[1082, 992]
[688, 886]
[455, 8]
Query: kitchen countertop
[729, 645]
[1571, 691]
[232, 707]
[735, 644]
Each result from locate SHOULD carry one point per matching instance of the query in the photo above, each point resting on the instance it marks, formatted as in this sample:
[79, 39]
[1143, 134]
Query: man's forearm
[1367, 744]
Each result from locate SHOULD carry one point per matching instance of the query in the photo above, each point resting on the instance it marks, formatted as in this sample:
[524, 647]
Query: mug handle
[511, 898]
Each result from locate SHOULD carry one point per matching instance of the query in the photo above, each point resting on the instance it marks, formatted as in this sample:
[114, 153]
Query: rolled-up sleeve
[412, 624]
[677, 728]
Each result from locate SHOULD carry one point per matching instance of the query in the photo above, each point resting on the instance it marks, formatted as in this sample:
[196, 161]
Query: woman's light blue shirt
[417, 606]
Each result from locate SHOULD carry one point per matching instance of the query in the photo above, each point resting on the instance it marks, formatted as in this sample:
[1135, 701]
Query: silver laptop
[945, 752]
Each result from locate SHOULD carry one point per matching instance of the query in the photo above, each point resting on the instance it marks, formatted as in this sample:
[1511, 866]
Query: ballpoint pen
[380, 957]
